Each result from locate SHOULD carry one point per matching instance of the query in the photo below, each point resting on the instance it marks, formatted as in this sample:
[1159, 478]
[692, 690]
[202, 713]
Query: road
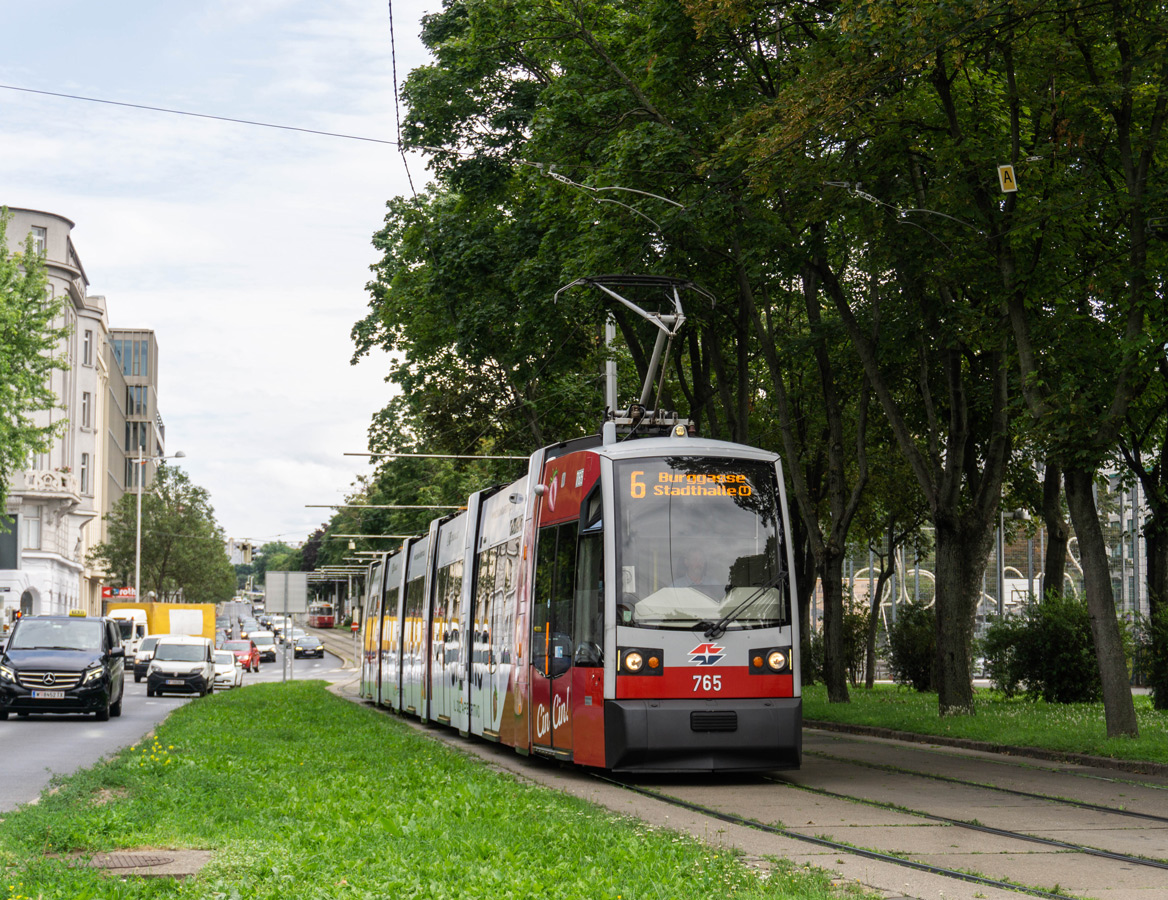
[39, 747]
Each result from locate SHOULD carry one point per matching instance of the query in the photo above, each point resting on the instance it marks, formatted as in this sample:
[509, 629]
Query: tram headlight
[640, 661]
[770, 661]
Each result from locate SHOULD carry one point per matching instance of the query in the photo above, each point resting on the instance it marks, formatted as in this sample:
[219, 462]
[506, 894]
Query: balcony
[47, 484]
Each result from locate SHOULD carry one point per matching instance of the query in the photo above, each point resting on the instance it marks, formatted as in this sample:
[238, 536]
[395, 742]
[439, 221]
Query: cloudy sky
[247, 249]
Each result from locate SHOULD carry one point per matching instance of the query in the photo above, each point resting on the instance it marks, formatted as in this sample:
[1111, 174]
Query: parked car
[145, 654]
[266, 642]
[182, 663]
[63, 664]
[308, 646]
[246, 652]
[228, 670]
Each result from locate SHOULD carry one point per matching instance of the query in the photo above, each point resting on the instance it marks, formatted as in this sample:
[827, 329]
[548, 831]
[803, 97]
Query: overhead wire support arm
[376, 506]
[432, 456]
[668, 323]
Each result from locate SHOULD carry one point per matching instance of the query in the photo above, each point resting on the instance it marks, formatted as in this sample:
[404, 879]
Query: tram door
[552, 645]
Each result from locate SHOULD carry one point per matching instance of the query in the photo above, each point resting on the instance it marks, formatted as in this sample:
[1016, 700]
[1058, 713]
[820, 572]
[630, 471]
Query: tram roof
[682, 446]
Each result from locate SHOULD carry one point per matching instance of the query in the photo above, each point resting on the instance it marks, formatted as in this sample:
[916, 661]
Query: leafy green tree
[278, 557]
[183, 548]
[30, 341]
[825, 170]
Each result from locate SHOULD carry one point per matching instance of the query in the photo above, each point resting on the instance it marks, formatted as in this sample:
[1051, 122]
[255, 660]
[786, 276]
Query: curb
[1135, 766]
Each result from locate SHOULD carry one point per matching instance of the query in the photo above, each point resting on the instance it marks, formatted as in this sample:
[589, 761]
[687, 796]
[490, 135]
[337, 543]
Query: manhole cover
[128, 860]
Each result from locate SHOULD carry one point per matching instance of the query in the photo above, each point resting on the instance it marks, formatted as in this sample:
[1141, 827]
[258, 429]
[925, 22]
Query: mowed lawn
[1014, 722]
[300, 794]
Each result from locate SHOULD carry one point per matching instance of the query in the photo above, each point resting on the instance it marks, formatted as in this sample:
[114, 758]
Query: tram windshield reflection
[698, 537]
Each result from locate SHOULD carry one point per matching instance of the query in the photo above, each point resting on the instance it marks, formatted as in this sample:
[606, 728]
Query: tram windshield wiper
[715, 630]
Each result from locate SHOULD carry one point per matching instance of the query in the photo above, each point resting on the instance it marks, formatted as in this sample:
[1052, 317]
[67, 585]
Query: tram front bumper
[743, 735]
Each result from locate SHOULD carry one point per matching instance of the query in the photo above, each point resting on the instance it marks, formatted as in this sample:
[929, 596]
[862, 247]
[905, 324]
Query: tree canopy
[184, 551]
[829, 172]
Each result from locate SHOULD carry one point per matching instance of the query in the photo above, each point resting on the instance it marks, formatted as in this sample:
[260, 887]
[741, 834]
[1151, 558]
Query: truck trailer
[137, 620]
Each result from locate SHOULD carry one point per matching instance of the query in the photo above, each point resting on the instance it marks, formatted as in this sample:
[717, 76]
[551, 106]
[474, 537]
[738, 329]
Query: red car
[246, 652]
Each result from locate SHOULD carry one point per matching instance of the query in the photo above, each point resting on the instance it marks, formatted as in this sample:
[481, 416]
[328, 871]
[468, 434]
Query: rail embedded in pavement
[338, 643]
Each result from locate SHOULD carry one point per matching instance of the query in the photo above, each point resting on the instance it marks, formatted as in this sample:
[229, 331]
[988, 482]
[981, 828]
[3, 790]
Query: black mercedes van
[63, 664]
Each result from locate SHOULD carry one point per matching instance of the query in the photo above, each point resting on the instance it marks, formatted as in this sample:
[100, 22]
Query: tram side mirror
[588, 653]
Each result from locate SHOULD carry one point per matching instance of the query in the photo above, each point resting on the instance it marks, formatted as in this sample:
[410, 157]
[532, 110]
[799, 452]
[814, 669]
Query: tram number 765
[707, 683]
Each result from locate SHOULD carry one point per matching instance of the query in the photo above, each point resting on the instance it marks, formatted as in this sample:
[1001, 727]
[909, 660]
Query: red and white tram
[625, 605]
[321, 615]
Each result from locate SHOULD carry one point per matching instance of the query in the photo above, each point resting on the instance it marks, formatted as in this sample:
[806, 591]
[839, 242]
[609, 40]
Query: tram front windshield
[699, 541]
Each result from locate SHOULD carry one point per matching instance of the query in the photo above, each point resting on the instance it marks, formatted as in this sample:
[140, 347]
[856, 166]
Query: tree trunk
[886, 572]
[963, 551]
[1156, 544]
[1058, 533]
[873, 626]
[1156, 563]
[835, 669]
[804, 584]
[1118, 708]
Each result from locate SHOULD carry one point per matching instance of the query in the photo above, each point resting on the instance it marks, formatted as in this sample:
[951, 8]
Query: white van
[182, 663]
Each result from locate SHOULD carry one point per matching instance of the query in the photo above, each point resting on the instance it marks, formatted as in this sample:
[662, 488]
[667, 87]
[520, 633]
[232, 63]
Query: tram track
[839, 846]
[986, 829]
[987, 786]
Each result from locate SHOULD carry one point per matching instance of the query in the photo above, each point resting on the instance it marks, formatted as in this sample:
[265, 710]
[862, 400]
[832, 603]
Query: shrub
[1047, 651]
[912, 645]
[855, 640]
[1153, 649]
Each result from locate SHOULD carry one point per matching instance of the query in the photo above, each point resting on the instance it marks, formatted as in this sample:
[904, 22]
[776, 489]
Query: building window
[136, 400]
[40, 240]
[32, 528]
[86, 413]
[9, 546]
[85, 473]
[87, 348]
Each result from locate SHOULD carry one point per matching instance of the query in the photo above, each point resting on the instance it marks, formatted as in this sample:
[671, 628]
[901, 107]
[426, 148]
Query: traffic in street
[38, 747]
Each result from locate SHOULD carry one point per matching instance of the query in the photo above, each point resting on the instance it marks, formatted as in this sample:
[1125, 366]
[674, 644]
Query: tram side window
[590, 600]
[485, 591]
[554, 607]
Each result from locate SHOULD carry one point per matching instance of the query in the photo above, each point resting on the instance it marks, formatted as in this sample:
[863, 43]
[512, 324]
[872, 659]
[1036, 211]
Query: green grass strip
[301, 794]
[1017, 722]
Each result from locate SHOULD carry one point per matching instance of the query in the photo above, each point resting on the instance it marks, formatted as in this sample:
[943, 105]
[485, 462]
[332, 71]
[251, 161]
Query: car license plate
[174, 681]
[48, 695]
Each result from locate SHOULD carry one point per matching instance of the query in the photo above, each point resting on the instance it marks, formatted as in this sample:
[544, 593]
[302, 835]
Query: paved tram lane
[39, 747]
[864, 792]
[894, 773]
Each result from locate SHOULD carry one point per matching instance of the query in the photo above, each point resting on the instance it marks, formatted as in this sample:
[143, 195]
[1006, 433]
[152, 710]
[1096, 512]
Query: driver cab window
[590, 600]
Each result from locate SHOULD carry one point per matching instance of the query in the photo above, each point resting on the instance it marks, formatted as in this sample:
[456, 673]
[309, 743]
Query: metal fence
[1014, 574]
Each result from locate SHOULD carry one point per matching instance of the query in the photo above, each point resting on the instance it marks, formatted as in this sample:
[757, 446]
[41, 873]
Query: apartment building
[108, 396]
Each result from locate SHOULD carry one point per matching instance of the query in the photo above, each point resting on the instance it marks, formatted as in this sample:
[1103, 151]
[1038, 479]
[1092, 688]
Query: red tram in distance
[321, 615]
[625, 605]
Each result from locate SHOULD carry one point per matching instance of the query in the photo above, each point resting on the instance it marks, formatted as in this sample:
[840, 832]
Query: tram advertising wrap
[627, 606]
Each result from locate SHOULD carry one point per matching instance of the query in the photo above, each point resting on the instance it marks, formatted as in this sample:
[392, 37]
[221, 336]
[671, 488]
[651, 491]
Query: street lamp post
[142, 460]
